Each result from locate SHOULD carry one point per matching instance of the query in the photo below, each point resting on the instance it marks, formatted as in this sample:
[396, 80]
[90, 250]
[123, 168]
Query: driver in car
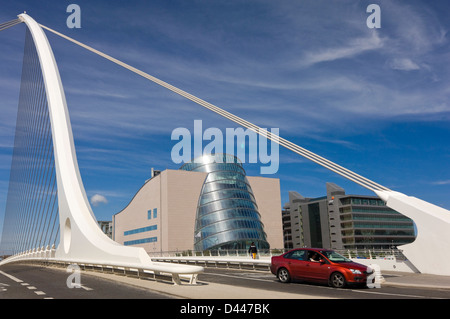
[315, 257]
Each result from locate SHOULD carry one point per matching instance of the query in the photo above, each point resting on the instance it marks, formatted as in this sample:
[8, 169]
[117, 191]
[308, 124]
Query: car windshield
[335, 257]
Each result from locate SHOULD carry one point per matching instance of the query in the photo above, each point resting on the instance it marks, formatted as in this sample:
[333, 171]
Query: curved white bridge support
[81, 240]
[430, 252]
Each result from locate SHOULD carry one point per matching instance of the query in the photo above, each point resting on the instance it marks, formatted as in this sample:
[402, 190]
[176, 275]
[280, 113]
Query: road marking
[86, 288]
[37, 292]
[325, 287]
[10, 276]
[242, 277]
[3, 287]
[81, 286]
[398, 295]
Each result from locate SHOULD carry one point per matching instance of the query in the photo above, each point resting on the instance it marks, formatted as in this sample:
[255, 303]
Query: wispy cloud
[404, 64]
[444, 182]
[352, 48]
[95, 93]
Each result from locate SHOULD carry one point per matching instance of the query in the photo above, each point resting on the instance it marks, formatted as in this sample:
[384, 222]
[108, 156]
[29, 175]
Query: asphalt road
[267, 281]
[32, 282]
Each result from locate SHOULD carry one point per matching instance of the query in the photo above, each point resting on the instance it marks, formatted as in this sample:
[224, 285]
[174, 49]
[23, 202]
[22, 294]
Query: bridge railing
[241, 258]
[156, 270]
[393, 253]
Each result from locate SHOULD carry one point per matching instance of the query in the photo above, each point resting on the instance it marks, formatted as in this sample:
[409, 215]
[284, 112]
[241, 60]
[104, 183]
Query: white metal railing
[350, 253]
[158, 270]
[242, 259]
[241, 262]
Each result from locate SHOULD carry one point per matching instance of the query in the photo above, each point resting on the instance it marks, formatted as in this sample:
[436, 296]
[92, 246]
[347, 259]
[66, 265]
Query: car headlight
[355, 271]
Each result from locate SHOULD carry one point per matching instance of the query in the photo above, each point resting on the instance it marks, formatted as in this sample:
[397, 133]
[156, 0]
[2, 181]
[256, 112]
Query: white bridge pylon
[81, 239]
[429, 252]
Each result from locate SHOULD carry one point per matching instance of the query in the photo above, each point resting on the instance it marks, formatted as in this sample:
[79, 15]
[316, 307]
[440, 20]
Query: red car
[320, 265]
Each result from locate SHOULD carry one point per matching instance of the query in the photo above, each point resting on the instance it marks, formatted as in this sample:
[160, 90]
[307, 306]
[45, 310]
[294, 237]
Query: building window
[315, 225]
[141, 241]
[155, 213]
[140, 230]
[149, 214]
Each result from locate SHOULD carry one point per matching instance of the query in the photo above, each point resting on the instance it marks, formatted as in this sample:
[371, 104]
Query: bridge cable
[9, 24]
[31, 212]
[273, 137]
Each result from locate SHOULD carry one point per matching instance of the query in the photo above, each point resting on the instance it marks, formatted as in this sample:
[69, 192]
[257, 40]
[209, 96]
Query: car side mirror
[322, 261]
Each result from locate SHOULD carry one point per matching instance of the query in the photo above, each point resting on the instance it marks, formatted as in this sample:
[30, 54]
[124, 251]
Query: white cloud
[353, 48]
[404, 64]
[98, 199]
[444, 182]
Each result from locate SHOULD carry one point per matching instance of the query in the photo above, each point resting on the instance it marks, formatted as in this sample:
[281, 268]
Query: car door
[317, 270]
[297, 264]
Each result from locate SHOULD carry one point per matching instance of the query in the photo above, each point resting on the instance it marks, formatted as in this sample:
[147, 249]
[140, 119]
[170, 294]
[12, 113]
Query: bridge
[49, 219]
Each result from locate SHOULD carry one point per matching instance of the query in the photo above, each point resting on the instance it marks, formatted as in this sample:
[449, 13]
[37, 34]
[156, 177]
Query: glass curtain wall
[227, 213]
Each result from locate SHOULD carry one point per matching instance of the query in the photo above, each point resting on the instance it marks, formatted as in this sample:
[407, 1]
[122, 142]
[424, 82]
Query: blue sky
[373, 100]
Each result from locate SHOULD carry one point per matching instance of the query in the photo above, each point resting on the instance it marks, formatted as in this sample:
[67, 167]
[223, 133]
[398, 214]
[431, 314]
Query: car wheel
[337, 280]
[283, 275]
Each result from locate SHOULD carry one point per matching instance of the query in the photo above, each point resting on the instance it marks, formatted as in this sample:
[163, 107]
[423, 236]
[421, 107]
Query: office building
[106, 227]
[340, 221]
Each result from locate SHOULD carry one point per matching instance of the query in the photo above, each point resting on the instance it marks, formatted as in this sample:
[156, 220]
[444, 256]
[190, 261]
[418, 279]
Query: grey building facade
[339, 221]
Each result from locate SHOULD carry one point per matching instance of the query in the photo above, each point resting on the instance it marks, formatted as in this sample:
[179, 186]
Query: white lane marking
[397, 295]
[242, 277]
[86, 288]
[37, 292]
[3, 287]
[359, 291]
[10, 276]
[81, 286]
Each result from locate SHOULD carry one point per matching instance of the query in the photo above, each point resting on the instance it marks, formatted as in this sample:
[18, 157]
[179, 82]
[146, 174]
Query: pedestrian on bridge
[253, 250]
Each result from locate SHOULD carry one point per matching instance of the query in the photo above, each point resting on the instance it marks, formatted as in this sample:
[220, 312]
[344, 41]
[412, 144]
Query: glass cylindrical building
[227, 213]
